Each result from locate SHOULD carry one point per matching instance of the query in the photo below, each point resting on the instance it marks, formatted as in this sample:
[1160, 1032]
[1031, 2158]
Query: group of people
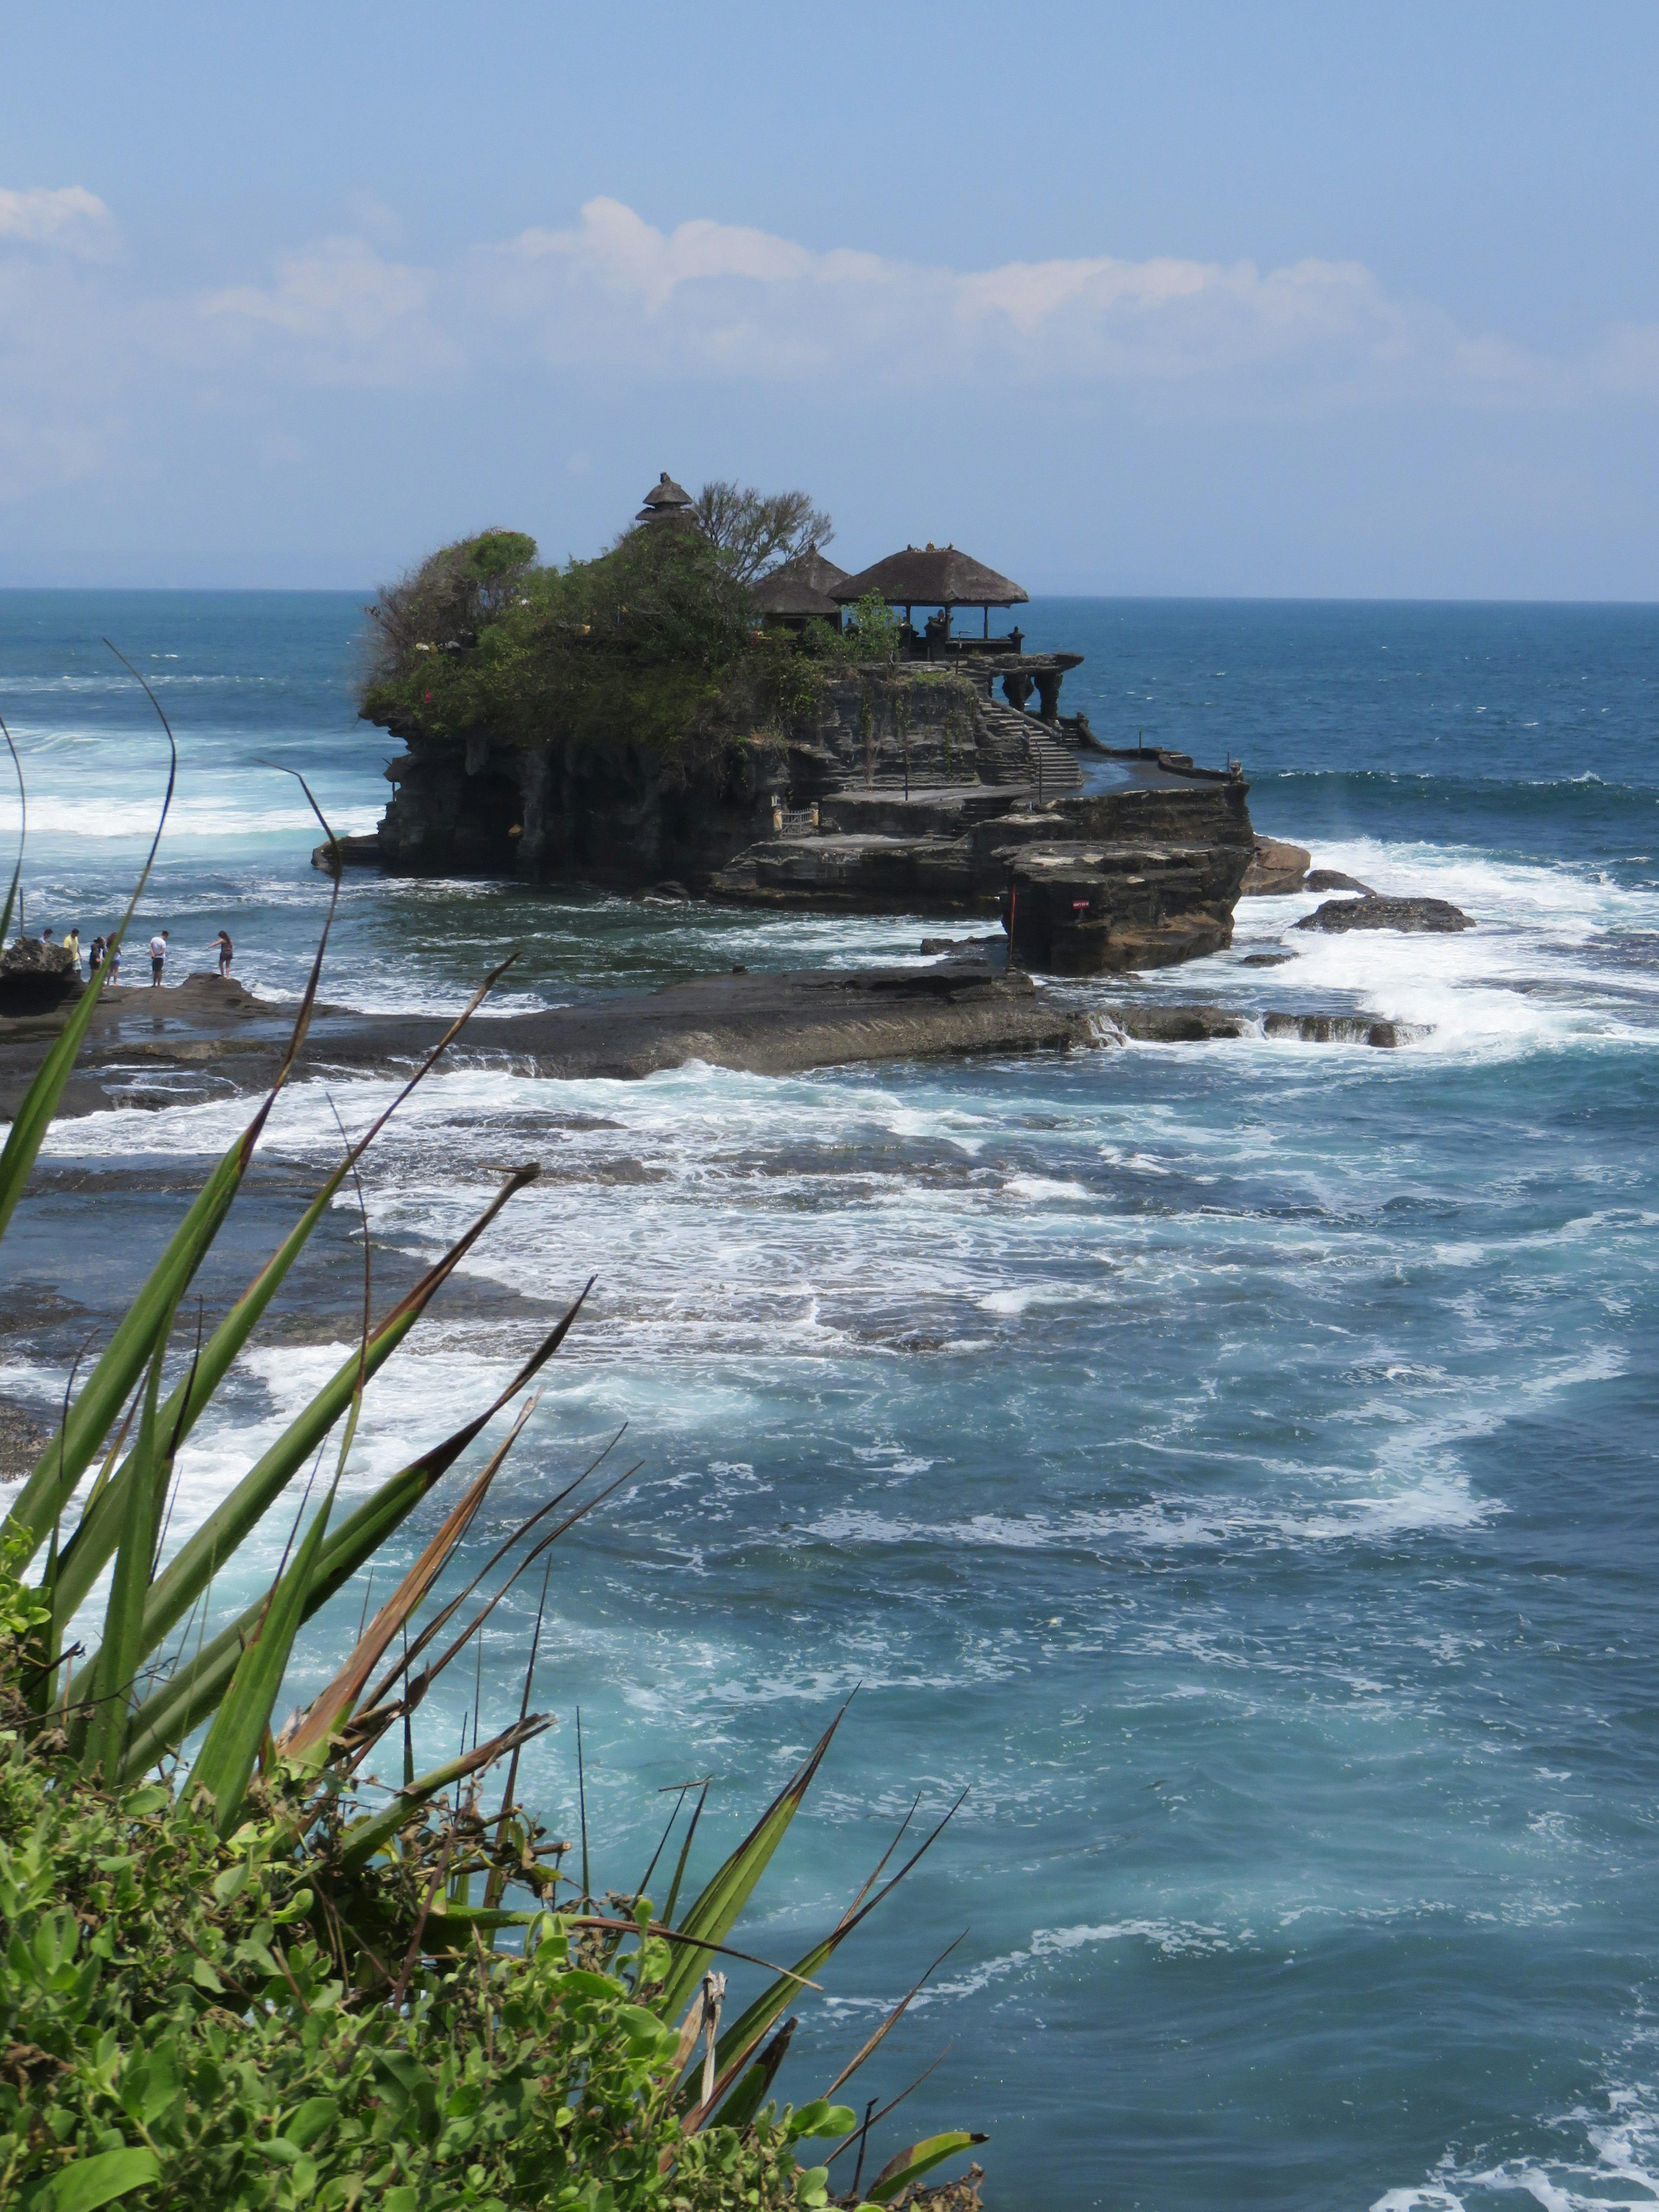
[109, 949]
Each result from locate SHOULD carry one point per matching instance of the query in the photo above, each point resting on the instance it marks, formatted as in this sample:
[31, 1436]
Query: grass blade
[714, 1911]
[746, 2100]
[745, 2032]
[66, 1459]
[365, 1838]
[177, 1589]
[95, 1539]
[34, 1114]
[309, 1735]
[23, 832]
[226, 1761]
[118, 1655]
[180, 1705]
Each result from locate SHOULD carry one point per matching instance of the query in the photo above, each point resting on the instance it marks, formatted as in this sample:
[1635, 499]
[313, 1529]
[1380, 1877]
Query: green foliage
[177, 2034]
[636, 646]
[875, 629]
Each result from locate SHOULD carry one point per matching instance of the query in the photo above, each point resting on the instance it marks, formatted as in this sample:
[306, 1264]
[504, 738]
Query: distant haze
[1277, 301]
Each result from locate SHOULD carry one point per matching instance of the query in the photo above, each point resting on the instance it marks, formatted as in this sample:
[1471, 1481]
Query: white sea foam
[1608, 2161]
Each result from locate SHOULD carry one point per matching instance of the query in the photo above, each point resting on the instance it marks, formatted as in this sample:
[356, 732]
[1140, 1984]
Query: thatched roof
[665, 502]
[805, 586]
[932, 576]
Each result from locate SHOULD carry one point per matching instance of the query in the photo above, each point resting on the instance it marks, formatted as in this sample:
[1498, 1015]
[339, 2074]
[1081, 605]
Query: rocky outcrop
[1333, 879]
[35, 976]
[1137, 877]
[897, 789]
[1437, 917]
[1276, 868]
[212, 1035]
[630, 815]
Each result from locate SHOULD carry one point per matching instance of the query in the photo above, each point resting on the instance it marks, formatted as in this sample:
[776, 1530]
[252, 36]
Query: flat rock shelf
[210, 1036]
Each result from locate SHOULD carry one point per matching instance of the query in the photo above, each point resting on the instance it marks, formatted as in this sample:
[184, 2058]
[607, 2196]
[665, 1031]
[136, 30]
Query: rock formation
[35, 976]
[1436, 916]
[1276, 868]
[899, 789]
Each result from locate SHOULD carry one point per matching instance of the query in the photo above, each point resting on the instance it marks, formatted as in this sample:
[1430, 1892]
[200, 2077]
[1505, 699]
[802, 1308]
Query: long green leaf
[23, 831]
[226, 1761]
[93, 1539]
[919, 2159]
[713, 1914]
[180, 1705]
[307, 1738]
[119, 1654]
[34, 1114]
[66, 1458]
[745, 2032]
[176, 1590]
[746, 2100]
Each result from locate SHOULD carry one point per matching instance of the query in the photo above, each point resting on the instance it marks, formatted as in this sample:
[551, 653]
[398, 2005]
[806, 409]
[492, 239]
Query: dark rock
[1333, 879]
[667, 893]
[355, 852]
[1276, 869]
[35, 977]
[1436, 916]
[768, 1024]
[1266, 959]
[933, 947]
[1342, 1029]
[895, 793]
[1134, 877]
[1180, 1025]
[22, 1440]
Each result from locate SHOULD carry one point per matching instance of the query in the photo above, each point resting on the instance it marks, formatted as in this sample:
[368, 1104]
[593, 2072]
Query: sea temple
[938, 775]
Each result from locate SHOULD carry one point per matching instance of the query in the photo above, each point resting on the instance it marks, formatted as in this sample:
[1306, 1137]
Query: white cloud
[341, 314]
[70, 217]
[87, 348]
[734, 300]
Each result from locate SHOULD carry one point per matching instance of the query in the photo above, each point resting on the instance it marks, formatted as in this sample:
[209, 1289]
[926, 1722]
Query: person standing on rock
[72, 945]
[226, 951]
[114, 962]
[95, 955]
[158, 954]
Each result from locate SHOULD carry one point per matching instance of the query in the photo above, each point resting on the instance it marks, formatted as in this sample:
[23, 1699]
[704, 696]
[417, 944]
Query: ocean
[1231, 1465]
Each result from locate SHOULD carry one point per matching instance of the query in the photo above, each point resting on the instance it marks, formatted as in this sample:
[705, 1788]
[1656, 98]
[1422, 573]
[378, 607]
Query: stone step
[1047, 763]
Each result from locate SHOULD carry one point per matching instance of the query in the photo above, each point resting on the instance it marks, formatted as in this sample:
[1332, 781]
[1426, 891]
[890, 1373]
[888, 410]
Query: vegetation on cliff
[652, 642]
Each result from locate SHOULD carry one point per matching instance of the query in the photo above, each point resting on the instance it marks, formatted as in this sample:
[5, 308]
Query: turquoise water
[1232, 1465]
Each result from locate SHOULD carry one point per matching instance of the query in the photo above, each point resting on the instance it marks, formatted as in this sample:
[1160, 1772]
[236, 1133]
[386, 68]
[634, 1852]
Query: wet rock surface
[211, 1038]
[1333, 879]
[1277, 868]
[1432, 915]
[22, 1439]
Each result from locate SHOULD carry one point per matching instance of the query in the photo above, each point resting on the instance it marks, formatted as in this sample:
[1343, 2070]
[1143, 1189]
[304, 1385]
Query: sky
[1265, 300]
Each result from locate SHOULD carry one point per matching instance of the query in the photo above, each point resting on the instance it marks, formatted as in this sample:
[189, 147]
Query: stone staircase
[1019, 748]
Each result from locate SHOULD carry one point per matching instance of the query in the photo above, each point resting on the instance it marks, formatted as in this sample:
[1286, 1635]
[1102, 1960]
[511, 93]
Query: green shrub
[176, 2033]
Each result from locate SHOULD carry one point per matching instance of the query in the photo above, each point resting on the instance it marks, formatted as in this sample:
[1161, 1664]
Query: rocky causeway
[211, 1036]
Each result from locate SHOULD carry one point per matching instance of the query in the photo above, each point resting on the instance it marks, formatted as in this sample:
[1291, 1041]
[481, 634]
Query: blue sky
[1276, 299]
